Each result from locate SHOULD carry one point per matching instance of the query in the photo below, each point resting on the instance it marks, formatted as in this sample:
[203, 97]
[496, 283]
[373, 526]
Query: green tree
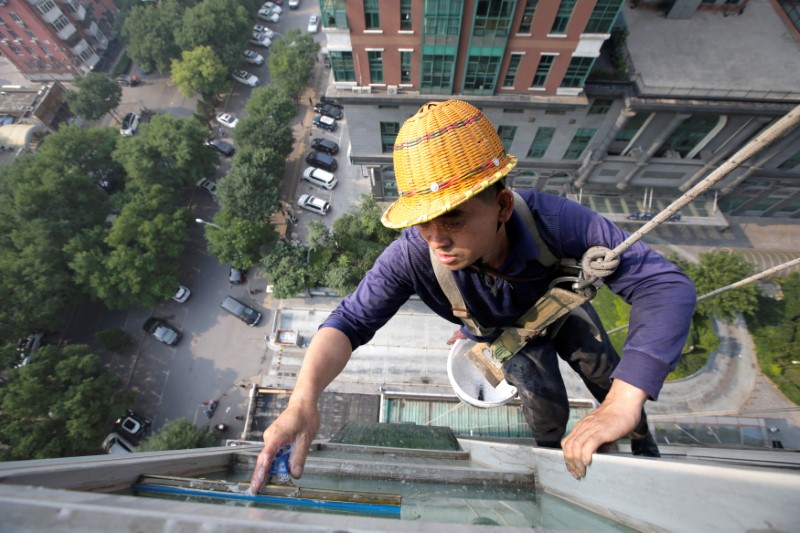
[97, 95]
[223, 25]
[199, 71]
[167, 151]
[291, 61]
[288, 269]
[716, 270]
[266, 123]
[62, 404]
[240, 240]
[178, 434]
[251, 189]
[149, 34]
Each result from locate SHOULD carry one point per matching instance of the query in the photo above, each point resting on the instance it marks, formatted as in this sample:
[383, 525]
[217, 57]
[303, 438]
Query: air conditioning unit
[366, 89]
[356, 89]
[391, 89]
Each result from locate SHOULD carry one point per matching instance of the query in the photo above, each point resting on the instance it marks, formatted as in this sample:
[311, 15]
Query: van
[246, 314]
[320, 178]
[323, 161]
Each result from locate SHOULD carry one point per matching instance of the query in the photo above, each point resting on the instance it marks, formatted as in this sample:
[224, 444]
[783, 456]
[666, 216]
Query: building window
[87, 53]
[506, 134]
[481, 74]
[14, 17]
[14, 35]
[375, 59]
[542, 71]
[527, 16]
[405, 67]
[437, 73]
[30, 34]
[492, 17]
[16, 50]
[577, 71]
[342, 66]
[603, 16]
[60, 23]
[792, 10]
[631, 127]
[46, 6]
[579, 143]
[511, 73]
[600, 106]
[562, 16]
[3, 36]
[405, 15]
[792, 162]
[541, 142]
[686, 136]
[372, 15]
[389, 132]
[442, 17]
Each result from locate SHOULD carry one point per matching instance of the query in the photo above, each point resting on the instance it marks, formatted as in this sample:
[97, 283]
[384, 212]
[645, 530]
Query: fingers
[578, 454]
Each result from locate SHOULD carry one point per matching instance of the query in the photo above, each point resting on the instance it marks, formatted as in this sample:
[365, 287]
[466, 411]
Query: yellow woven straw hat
[443, 156]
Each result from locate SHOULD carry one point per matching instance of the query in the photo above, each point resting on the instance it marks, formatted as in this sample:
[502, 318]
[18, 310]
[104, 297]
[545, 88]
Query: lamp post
[207, 223]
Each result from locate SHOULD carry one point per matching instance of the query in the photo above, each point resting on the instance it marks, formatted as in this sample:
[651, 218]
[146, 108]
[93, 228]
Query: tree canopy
[240, 240]
[199, 70]
[291, 61]
[718, 269]
[267, 122]
[97, 95]
[62, 404]
[149, 33]
[251, 188]
[223, 25]
[178, 434]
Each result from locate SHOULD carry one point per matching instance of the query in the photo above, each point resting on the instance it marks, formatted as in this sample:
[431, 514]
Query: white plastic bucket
[469, 384]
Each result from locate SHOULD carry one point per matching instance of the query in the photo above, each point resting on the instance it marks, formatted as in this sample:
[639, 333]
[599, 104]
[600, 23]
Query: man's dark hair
[489, 194]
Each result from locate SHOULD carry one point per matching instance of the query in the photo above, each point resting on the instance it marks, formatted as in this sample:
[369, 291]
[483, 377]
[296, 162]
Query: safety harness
[555, 304]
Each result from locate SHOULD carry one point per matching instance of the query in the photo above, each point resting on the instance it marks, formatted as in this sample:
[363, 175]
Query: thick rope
[732, 286]
[761, 141]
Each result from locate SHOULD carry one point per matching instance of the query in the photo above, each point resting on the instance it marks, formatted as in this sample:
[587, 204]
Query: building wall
[38, 51]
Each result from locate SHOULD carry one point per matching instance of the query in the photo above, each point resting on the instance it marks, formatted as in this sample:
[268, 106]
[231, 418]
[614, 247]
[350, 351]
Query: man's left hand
[616, 417]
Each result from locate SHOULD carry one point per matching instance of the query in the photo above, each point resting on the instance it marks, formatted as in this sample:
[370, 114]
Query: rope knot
[594, 262]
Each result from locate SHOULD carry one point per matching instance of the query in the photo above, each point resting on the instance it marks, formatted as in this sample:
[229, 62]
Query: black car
[325, 145]
[322, 160]
[330, 101]
[132, 426]
[222, 147]
[162, 331]
[329, 110]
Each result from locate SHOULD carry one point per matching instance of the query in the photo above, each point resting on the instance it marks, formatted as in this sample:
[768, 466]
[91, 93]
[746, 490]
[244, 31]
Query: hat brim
[411, 210]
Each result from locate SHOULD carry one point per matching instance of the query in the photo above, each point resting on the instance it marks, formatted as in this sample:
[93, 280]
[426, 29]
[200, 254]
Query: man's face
[460, 237]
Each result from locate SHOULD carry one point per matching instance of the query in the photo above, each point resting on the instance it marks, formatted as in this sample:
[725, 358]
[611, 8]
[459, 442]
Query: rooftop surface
[748, 54]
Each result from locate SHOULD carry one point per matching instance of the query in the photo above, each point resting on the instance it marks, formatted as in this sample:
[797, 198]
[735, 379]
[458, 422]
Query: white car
[294, 4]
[208, 186]
[260, 39]
[264, 31]
[268, 15]
[227, 119]
[313, 204]
[183, 293]
[313, 24]
[129, 125]
[242, 76]
[272, 6]
[253, 57]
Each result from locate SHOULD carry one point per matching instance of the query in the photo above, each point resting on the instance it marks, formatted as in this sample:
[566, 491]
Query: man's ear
[505, 203]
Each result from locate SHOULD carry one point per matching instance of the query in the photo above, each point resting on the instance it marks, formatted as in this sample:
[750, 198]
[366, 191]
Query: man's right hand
[297, 425]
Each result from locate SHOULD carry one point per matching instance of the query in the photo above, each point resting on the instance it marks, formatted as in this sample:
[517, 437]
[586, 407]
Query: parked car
[227, 119]
[324, 122]
[330, 101]
[313, 204]
[130, 123]
[253, 58]
[132, 426]
[320, 178]
[329, 110]
[237, 276]
[321, 144]
[674, 218]
[247, 78]
[246, 314]
[294, 4]
[322, 160]
[162, 331]
[116, 444]
[209, 186]
[221, 146]
[273, 6]
[313, 24]
[260, 39]
[263, 30]
[26, 348]
[182, 294]
[268, 15]
[634, 215]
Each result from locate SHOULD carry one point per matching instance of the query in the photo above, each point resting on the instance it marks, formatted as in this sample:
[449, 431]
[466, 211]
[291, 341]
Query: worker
[449, 164]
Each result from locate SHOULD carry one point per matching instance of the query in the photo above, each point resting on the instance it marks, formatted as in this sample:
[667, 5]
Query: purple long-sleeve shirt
[661, 295]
